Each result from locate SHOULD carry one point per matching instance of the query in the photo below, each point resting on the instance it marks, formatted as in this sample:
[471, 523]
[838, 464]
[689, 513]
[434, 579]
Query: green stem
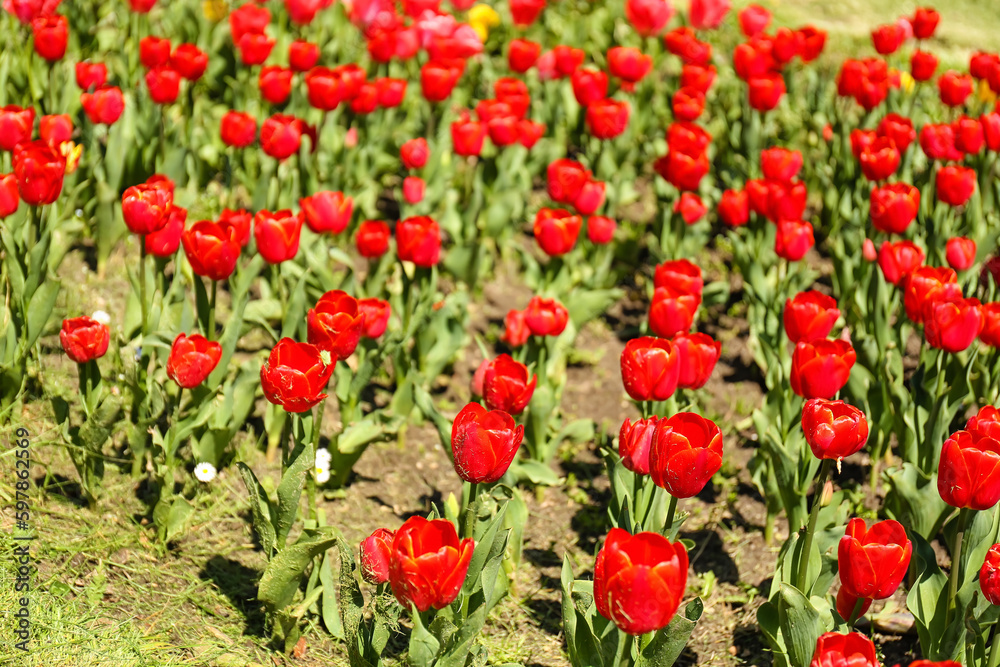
[824, 472]
[210, 329]
[668, 525]
[624, 649]
[471, 509]
[956, 564]
[994, 659]
[855, 613]
[143, 306]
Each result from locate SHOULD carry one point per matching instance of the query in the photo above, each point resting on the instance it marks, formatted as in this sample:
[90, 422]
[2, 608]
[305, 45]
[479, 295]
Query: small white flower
[204, 471]
[101, 317]
[322, 476]
[323, 456]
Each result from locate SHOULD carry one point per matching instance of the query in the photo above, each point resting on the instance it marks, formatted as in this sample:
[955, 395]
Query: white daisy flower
[322, 475]
[101, 317]
[323, 456]
[204, 471]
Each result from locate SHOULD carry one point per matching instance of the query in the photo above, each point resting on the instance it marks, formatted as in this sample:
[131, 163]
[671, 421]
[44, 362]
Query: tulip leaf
[284, 571]
[581, 644]
[801, 625]
[914, 500]
[352, 604]
[170, 517]
[261, 509]
[39, 310]
[331, 611]
[927, 600]
[424, 646]
[669, 642]
[536, 472]
[301, 463]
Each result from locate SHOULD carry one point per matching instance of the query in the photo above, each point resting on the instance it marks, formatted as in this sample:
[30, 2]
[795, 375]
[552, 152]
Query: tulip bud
[556, 230]
[418, 240]
[833, 429]
[413, 189]
[483, 443]
[635, 442]
[545, 317]
[516, 331]
[989, 575]
[376, 551]
[376, 314]
[277, 235]
[960, 253]
[327, 211]
[810, 315]
[373, 238]
[821, 368]
[335, 324]
[84, 339]
[192, 359]
[834, 650]
[650, 369]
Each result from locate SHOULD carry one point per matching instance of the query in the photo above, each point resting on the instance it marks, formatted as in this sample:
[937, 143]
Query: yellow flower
[72, 153]
[214, 10]
[482, 18]
[986, 93]
[906, 81]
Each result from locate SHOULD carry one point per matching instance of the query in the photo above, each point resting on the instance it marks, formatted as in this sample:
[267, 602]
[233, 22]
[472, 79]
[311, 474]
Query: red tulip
[163, 84]
[467, 137]
[952, 325]
[686, 452]
[954, 88]
[690, 207]
[635, 442]
[990, 335]
[887, 38]
[650, 369]
[672, 312]
[991, 128]
[302, 55]
[192, 359]
[104, 106]
[375, 554]
[589, 85]
[898, 260]
[960, 253]
[688, 139]
[437, 80]
[989, 575]
[684, 43]
[483, 443]
[525, 12]
[938, 142]
[707, 14]
[793, 239]
[9, 199]
[141, 6]
[697, 355]
[211, 249]
[55, 129]
[507, 385]
[154, 51]
[688, 104]
[239, 222]
[565, 179]
[894, 207]
[522, 54]
[516, 332]
[145, 208]
[366, 101]
[275, 83]
[335, 324]
[376, 313]
[639, 580]
[833, 429]
[873, 561]
[281, 136]
[880, 159]
[50, 35]
[373, 238]
[545, 317]
[969, 471]
[254, 48]
[418, 240]
[954, 184]
[754, 20]
[969, 135]
[428, 563]
[985, 423]
[928, 283]
[682, 171]
[785, 45]
[924, 22]
[248, 19]
[844, 650]
[325, 89]
[84, 339]
[810, 315]
[923, 65]
[189, 61]
[606, 119]
[39, 171]
[629, 64]
[648, 17]
[697, 77]
[302, 12]
[812, 41]
[821, 368]
[766, 91]
[600, 229]
[780, 164]
[734, 208]
[164, 243]
[556, 230]
[567, 59]
[91, 75]
[413, 189]
[327, 211]
[295, 375]
[28, 10]
[277, 235]
[390, 92]
[238, 129]
[414, 153]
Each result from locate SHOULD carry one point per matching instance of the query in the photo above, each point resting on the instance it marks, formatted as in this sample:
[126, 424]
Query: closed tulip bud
[821, 368]
[295, 375]
[690, 207]
[780, 164]
[923, 65]
[192, 359]
[327, 211]
[635, 442]
[302, 55]
[516, 332]
[467, 137]
[413, 189]
[969, 135]
[91, 75]
[766, 91]
[952, 325]
[960, 253]
[507, 385]
[734, 208]
[275, 83]
[880, 160]
[438, 79]
[686, 452]
[868, 251]
[335, 324]
[844, 650]
[414, 153]
[84, 339]
[240, 222]
[247, 19]
[418, 240]
[894, 207]
[591, 197]
[50, 35]
[672, 312]
[375, 554]
[9, 199]
[606, 119]
[697, 77]
[189, 61]
[238, 129]
[39, 170]
[650, 369]
[833, 429]
[164, 243]
[990, 334]
[16, 125]
[254, 48]
[556, 230]
[989, 575]
[810, 315]
[325, 89]
[522, 54]
[428, 563]
[697, 355]
[372, 238]
[969, 471]
[483, 443]
[682, 171]
[873, 561]
[601, 230]
[991, 128]
[281, 136]
[212, 249]
[630, 65]
[545, 317]
[154, 51]
[954, 88]
[163, 84]
[897, 260]
[145, 207]
[376, 313]
[754, 20]
[390, 92]
[887, 38]
[954, 184]
[639, 580]
[589, 86]
[104, 106]
[277, 235]
[928, 283]
[924, 22]
[55, 129]
[648, 17]
[793, 239]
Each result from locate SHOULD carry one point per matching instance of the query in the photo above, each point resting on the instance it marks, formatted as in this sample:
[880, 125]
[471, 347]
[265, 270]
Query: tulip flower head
[650, 369]
[635, 441]
[686, 452]
[507, 385]
[821, 368]
[833, 429]
[989, 575]
[295, 375]
[428, 563]
[84, 339]
[844, 650]
[192, 359]
[810, 315]
[483, 443]
[335, 325]
[697, 355]
[873, 561]
[969, 471]
[375, 554]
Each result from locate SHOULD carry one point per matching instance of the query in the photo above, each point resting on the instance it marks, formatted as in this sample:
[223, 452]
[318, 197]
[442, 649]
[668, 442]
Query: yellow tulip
[214, 10]
[72, 153]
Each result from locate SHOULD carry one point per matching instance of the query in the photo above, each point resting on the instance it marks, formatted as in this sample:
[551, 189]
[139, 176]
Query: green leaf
[536, 472]
[669, 642]
[801, 625]
[330, 610]
[303, 460]
[284, 572]
[261, 509]
[39, 311]
[424, 646]
[171, 516]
